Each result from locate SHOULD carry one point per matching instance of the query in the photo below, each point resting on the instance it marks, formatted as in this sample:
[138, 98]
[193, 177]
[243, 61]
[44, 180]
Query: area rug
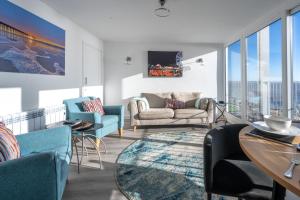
[166, 165]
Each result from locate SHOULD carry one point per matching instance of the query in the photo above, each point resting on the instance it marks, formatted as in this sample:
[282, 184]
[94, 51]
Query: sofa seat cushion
[190, 113]
[157, 113]
[109, 119]
[243, 177]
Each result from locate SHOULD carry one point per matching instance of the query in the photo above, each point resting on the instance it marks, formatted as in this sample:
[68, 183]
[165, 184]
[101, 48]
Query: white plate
[262, 126]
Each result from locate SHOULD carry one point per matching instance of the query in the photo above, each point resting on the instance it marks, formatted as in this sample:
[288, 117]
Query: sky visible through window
[252, 53]
[234, 61]
[264, 70]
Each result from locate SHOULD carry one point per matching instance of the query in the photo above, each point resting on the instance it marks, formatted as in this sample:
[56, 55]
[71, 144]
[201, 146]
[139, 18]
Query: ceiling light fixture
[162, 11]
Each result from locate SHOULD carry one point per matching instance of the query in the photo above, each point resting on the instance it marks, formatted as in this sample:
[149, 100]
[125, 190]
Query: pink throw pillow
[93, 106]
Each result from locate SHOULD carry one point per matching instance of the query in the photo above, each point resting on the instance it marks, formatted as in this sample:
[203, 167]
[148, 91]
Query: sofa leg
[134, 128]
[98, 143]
[120, 132]
[210, 125]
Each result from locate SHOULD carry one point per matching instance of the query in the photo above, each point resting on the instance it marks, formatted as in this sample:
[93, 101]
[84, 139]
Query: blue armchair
[112, 121]
[42, 170]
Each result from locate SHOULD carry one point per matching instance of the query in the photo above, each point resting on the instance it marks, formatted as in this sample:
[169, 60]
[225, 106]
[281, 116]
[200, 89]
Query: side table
[80, 136]
[85, 135]
[221, 106]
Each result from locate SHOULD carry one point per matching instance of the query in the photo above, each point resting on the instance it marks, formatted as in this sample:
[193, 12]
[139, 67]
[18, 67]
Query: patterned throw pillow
[93, 106]
[174, 104]
[202, 103]
[9, 147]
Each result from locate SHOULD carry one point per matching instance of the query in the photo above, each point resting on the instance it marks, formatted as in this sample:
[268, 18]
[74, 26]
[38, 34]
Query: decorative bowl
[278, 123]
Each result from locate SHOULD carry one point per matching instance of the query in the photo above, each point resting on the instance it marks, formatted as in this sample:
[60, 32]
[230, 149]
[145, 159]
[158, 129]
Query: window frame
[290, 57]
[286, 63]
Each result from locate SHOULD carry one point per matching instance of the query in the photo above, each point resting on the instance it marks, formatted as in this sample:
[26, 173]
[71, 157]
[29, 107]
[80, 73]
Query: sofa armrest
[29, 178]
[52, 139]
[133, 111]
[116, 110]
[88, 116]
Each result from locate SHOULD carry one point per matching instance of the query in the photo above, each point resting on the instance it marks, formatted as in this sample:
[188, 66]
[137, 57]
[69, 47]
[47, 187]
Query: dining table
[273, 158]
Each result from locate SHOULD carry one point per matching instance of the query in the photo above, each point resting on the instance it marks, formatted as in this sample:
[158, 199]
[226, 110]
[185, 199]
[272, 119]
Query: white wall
[123, 81]
[31, 84]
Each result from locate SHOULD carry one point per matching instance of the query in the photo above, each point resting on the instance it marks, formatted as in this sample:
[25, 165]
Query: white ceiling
[209, 21]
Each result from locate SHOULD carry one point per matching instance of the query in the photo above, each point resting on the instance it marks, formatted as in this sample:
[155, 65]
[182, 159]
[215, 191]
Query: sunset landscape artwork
[28, 43]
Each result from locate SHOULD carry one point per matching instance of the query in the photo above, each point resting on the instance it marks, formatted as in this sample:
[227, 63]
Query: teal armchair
[112, 121]
[42, 170]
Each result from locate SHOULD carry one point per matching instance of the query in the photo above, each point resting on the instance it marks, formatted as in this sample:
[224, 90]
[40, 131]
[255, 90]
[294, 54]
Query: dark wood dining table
[273, 158]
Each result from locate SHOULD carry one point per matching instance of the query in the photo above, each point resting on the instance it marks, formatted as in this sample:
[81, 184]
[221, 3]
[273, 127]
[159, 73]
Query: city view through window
[264, 72]
[234, 78]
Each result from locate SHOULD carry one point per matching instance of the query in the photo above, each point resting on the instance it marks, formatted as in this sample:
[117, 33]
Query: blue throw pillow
[143, 99]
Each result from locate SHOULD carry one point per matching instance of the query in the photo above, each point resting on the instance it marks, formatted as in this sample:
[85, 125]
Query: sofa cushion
[190, 113]
[174, 104]
[157, 100]
[188, 97]
[109, 119]
[93, 106]
[157, 113]
[144, 101]
[142, 106]
[202, 103]
[9, 147]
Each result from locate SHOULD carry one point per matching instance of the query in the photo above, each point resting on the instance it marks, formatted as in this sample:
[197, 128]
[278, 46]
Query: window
[296, 66]
[264, 72]
[253, 80]
[233, 94]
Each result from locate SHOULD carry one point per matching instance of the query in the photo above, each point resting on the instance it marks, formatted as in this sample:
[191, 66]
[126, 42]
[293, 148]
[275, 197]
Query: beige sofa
[159, 115]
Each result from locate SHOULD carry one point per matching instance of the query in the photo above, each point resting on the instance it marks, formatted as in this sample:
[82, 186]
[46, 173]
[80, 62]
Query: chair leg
[278, 191]
[208, 196]
[98, 143]
[120, 132]
[134, 128]
[210, 125]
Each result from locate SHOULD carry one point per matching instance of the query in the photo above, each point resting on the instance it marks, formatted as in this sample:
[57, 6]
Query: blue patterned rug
[165, 165]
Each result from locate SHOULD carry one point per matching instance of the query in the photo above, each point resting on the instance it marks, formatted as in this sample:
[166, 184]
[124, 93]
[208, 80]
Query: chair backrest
[75, 105]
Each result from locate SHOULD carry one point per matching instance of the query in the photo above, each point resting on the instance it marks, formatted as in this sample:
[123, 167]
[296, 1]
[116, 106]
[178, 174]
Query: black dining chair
[228, 171]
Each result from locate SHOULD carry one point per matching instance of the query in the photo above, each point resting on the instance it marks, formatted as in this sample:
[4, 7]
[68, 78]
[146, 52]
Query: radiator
[25, 122]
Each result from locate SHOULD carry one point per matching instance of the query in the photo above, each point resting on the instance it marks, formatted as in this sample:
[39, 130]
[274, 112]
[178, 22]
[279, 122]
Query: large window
[253, 78]
[233, 94]
[296, 66]
[266, 64]
[264, 72]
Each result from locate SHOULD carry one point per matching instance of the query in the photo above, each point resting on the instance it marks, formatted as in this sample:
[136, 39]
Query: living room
[160, 99]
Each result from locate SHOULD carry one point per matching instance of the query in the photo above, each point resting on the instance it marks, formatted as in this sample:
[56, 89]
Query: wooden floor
[95, 184]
